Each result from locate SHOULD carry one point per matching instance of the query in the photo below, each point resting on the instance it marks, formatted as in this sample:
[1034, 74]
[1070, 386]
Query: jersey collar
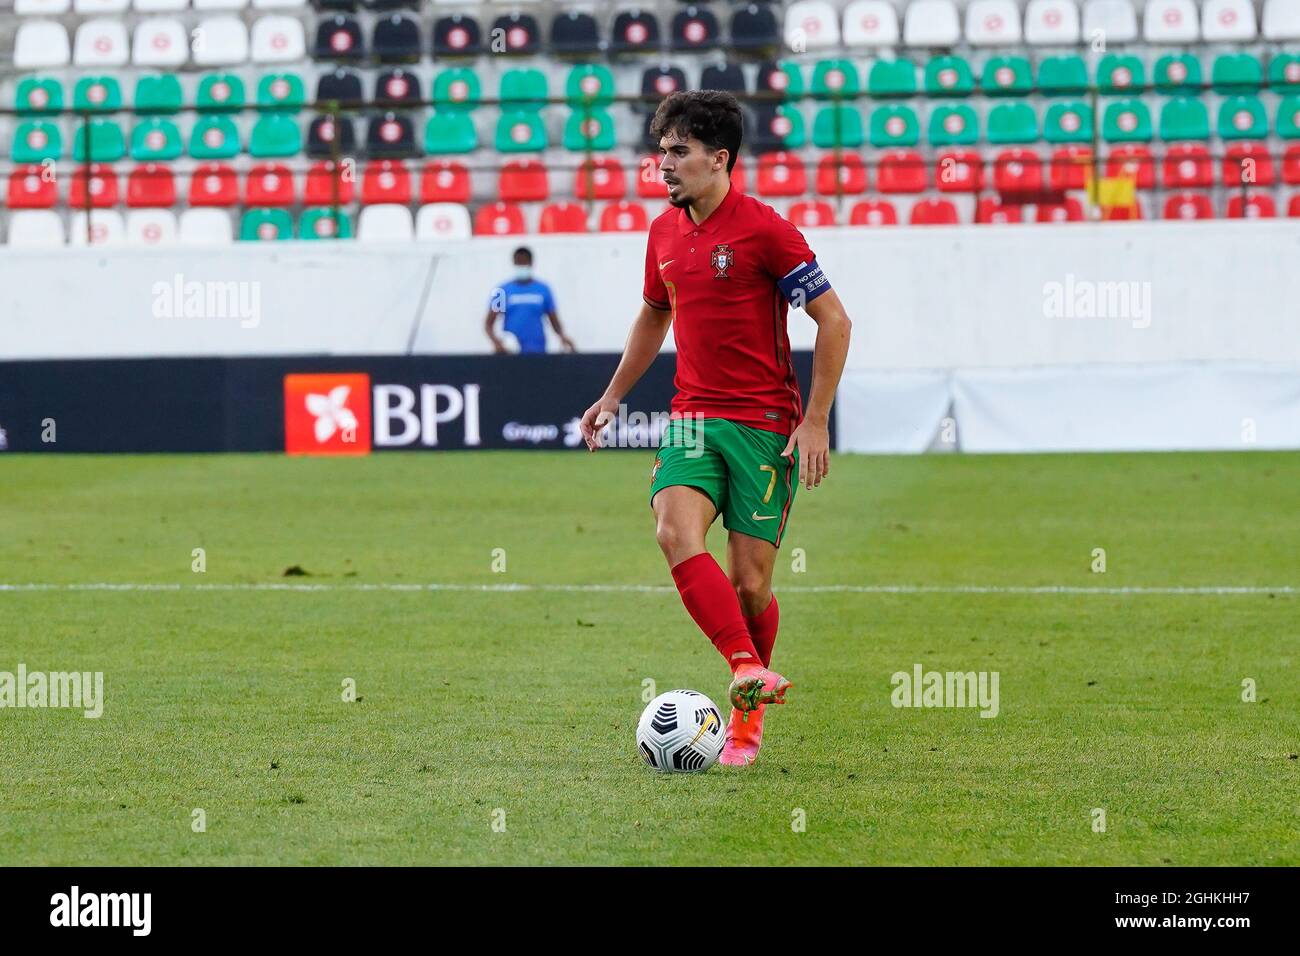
[686, 225]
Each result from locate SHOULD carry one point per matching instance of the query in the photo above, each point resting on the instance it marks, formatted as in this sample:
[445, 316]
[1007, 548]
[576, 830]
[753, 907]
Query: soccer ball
[680, 732]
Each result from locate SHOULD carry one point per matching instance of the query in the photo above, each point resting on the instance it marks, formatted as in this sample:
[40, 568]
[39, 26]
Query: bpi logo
[327, 414]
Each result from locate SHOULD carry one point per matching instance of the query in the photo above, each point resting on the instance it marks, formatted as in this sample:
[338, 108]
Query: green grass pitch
[483, 707]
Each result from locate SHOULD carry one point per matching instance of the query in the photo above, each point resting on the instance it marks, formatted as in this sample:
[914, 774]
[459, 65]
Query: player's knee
[753, 590]
[672, 538]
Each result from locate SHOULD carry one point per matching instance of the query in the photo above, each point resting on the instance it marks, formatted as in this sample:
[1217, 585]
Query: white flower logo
[332, 413]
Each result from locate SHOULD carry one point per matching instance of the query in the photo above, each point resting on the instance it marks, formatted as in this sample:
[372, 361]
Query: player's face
[688, 166]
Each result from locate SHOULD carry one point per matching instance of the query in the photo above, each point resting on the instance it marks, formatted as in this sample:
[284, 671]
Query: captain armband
[803, 283]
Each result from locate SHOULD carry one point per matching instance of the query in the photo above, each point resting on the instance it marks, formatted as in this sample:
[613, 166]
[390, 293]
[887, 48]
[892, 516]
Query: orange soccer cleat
[744, 737]
[755, 685]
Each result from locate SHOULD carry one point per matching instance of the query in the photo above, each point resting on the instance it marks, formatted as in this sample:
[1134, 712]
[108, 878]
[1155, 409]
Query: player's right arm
[643, 344]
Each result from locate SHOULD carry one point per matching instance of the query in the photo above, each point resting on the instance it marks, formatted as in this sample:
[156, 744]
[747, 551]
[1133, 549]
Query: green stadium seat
[1126, 121]
[160, 93]
[102, 141]
[520, 131]
[275, 135]
[890, 78]
[214, 137]
[458, 88]
[523, 88]
[1177, 73]
[97, 94]
[322, 222]
[590, 83]
[839, 125]
[1284, 72]
[894, 126]
[1288, 117]
[156, 139]
[1184, 118]
[1068, 122]
[36, 141]
[1062, 76]
[794, 88]
[1012, 123]
[797, 136]
[835, 79]
[1236, 73]
[948, 76]
[1242, 117]
[281, 91]
[38, 96]
[589, 128]
[1007, 76]
[954, 126]
[450, 130]
[265, 225]
[219, 92]
[1121, 74]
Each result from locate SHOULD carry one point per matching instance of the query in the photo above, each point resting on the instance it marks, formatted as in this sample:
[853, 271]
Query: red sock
[711, 601]
[762, 628]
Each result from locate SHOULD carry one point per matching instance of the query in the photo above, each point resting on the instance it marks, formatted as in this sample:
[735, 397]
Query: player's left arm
[812, 436]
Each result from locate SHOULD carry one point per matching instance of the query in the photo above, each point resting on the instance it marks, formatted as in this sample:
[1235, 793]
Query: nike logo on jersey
[665, 265]
[759, 517]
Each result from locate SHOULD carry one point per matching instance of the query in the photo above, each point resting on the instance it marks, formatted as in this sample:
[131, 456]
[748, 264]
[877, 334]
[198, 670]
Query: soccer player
[523, 302]
[723, 268]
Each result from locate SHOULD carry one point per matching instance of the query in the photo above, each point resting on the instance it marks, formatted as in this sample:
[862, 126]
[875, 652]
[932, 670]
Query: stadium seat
[520, 131]
[275, 135]
[99, 94]
[1256, 205]
[948, 76]
[342, 86]
[219, 92]
[841, 174]
[328, 136]
[600, 177]
[934, 212]
[100, 140]
[1126, 121]
[161, 42]
[523, 180]
[1291, 165]
[753, 30]
[220, 41]
[894, 126]
[589, 128]
[870, 23]
[32, 187]
[213, 184]
[269, 184]
[449, 130]
[931, 23]
[457, 35]
[103, 227]
[442, 221]
[150, 227]
[100, 43]
[959, 171]
[156, 139]
[519, 33]
[458, 88]
[694, 28]
[499, 219]
[723, 76]
[1184, 118]
[562, 217]
[901, 171]
[396, 39]
[650, 183]
[520, 88]
[1242, 117]
[1228, 21]
[889, 78]
[1281, 20]
[1018, 171]
[1120, 74]
[385, 181]
[1071, 167]
[444, 181]
[1052, 23]
[634, 31]
[1007, 76]
[40, 44]
[326, 187]
[339, 38]
[782, 127]
[1113, 20]
[994, 212]
[1288, 117]
[1284, 72]
[811, 25]
[150, 185]
[1068, 122]
[36, 141]
[1012, 123]
[1293, 207]
[809, 214]
[660, 81]
[1188, 205]
[1177, 73]
[782, 78]
[574, 33]
[324, 223]
[1236, 73]
[41, 8]
[624, 216]
[396, 88]
[207, 227]
[390, 135]
[1133, 161]
[835, 79]
[38, 96]
[834, 126]
[1062, 76]
[96, 7]
[1187, 166]
[590, 84]
[781, 174]
[873, 212]
[35, 228]
[265, 225]
[1248, 164]
[160, 94]
[992, 23]
[1170, 21]
[276, 39]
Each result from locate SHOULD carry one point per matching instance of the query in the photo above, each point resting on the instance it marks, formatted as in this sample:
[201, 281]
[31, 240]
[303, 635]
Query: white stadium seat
[931, 23]
[1052, 23]
[1112, 21]
[206, 227]
[100, 7]
[106, 228]
[278, 4]
[1281, 20]
[992, 23]
[161, 6]
[36, 228]
[150, 227]
[40, 43]
[870, 23]
[41, 8]
[1228, 20]
[442, 220]
[278, 39]
[220, 4]
[811, 25]
[220, 41]
[1170, 21]
[160, 41]
[100, 43]
[384, 223]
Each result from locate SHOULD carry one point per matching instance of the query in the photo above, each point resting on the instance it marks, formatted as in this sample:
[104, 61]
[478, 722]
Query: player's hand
[499, 347]
[595, 419]
[813, 439]
[567, 344]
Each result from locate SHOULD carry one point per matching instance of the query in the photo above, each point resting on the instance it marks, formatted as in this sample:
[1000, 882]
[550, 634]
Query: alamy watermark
[79, 690]
[1085, 299]
[922, 688]
[637, 429]
[208, 299]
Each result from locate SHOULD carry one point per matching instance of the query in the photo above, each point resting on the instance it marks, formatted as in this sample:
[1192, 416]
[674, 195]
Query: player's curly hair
[711, 116]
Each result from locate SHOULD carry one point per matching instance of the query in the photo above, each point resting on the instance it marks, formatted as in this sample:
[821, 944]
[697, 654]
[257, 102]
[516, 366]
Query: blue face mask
[523, 273]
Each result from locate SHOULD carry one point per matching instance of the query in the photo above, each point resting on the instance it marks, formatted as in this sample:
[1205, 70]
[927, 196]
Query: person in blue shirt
[524, 301]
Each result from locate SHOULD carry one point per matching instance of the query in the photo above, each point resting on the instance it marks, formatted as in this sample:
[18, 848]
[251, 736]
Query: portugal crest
[722, 259]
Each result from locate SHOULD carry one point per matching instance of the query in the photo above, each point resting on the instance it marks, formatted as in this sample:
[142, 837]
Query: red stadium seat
[739, 177]
[650, 185]
[600, 177]
[959, 171]
[1247, 164]
[563, 217]
[444, 180]
[1018, 171]
[150, 185]
[214, 184]
[1253, 206]
[624, 216]
[1071, 168]
[321, 182]
[901, 171]
[934, 212]
[269, 184]
[1133, 161]
[1120, 213]
[993, 212]
[808, 214]
[781, 174]
[98, 189]
[499, 219]
[1293, 207]
[845, 175]
[523, 180]
[1189, 205]
[1291, 165]
[30, 187]
[1187, 166]
[1071, 210]
[873, 212]
[386, 181]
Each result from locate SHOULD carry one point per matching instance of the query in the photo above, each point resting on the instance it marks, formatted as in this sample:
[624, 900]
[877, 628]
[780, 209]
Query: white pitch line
[657, 588]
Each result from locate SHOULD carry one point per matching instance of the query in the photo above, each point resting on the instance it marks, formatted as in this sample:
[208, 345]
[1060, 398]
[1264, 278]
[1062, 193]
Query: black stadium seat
[725, 76]
[342, 85]
[635, 31]
[516, 34]
[396, 88]
[383, 6]
[575, 33]
[760, 134]
[771, 79]
[322, 133]
[658, 81]
[396, 39]
[347, 6]
[391, 136]
[339, 38]
[457, 35]
[695, 28]
[754, 28]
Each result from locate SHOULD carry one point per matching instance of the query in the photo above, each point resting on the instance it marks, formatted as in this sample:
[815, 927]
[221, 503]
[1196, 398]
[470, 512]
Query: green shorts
[739, 467]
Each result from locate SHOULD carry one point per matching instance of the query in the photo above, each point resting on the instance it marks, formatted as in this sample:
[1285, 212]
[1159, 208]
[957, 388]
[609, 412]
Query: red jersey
[726, 281]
